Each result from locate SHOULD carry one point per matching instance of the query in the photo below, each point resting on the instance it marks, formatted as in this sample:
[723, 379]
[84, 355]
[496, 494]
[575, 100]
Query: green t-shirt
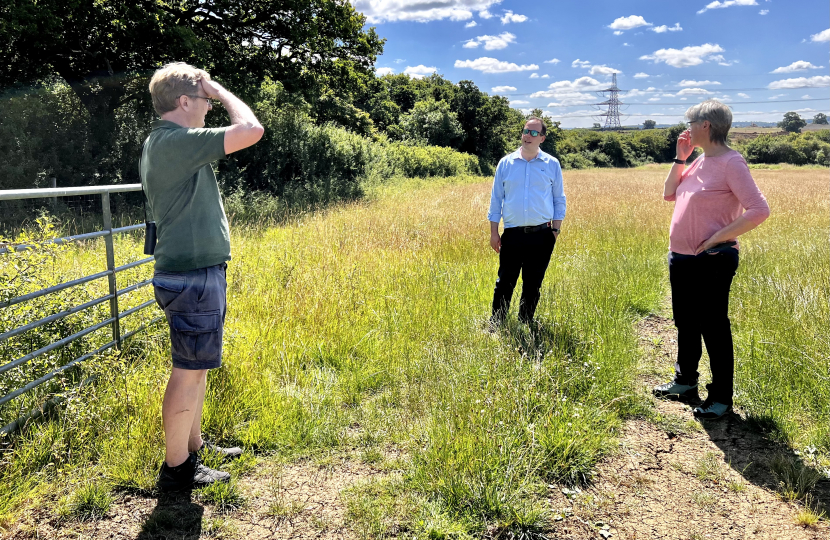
[183, 196]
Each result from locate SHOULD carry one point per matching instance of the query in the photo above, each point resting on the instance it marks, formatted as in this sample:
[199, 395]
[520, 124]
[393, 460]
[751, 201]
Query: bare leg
[178, 411]
[195, 440]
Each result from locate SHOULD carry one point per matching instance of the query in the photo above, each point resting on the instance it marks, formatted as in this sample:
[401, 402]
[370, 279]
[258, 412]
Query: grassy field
[361, 327]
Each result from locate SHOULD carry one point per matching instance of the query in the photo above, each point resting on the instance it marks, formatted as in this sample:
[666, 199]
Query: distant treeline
[583, 148]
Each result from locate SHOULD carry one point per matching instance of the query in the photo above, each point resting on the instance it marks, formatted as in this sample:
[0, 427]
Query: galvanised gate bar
[112, 297]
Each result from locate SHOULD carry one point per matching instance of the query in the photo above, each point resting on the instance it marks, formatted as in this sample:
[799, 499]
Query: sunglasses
[210, 101]
[532, 132]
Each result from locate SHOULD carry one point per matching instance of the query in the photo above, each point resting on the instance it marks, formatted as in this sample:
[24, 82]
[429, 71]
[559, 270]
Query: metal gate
[111, 274]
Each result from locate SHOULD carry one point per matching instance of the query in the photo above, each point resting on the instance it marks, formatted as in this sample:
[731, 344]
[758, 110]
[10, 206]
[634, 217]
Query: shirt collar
[165, 124]
[518, 154]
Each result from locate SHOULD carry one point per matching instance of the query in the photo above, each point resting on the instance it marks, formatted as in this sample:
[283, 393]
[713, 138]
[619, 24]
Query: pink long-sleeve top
[712, 193]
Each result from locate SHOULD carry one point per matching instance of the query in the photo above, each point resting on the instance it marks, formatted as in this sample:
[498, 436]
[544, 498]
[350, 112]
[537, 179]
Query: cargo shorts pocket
[196, 337]
[167, 287]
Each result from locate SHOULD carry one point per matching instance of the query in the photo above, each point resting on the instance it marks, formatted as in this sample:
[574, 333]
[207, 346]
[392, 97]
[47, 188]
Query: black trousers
[700, 303]
[528, 254]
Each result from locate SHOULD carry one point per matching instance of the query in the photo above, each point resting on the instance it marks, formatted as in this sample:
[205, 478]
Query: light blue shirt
[527, 193]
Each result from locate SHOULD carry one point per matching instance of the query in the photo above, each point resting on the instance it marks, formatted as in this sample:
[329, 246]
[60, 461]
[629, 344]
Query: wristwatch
[554, 229]
[679, 161]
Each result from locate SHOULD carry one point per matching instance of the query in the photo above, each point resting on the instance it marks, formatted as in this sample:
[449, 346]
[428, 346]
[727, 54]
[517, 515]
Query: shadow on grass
[539, 337]
[175, 516]
[767, 463]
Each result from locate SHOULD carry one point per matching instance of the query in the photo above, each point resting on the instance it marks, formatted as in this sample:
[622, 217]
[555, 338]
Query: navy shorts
[195, 303]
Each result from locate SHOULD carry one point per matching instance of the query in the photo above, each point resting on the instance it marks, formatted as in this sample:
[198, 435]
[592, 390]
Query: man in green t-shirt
[192, 252]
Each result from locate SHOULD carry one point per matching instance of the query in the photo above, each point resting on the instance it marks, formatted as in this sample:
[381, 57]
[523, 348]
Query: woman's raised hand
[684, 145]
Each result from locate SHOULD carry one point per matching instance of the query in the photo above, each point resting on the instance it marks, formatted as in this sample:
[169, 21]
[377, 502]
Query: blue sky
[755, 55]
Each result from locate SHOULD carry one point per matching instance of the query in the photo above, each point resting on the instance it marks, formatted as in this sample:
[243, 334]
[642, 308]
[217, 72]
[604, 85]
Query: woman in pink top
[716, 200]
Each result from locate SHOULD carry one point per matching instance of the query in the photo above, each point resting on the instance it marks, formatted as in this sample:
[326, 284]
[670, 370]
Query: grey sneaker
[712, 410]
[189, 475]
[673, 390]
[224, 453]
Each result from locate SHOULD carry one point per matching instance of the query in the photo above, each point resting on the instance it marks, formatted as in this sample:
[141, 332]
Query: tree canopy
[792, 122]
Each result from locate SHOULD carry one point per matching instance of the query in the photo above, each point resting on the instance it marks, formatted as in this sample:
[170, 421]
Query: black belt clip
[536, 228]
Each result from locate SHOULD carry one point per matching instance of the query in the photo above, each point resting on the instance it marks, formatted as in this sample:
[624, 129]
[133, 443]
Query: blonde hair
[174, 80]
[718, 115]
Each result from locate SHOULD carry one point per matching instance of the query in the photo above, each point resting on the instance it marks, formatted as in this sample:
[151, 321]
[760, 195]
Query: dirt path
[301, 500]
[679, 479]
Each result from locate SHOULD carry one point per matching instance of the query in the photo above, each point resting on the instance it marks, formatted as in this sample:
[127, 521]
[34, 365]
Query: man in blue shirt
[529, 196]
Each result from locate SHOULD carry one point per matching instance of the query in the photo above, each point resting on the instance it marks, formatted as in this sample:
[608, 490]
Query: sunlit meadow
[362, 327]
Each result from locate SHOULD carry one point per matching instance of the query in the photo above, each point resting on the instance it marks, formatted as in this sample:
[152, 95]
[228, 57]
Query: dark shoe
[189, 475]
[680, 392]
[224, 453]
[712, 410]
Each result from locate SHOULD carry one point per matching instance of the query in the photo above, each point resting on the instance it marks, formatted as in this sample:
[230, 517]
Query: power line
[590, 89]
[658, 103]
[663, 115]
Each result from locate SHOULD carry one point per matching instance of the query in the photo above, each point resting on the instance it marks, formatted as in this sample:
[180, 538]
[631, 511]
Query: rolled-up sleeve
[742, 184]
[497, 195]
[558, 192]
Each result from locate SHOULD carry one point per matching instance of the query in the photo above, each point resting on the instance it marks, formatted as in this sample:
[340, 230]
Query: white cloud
[800, 65]
[618, 32]
[470, 24]
[491, 65]
[801, 82]
[419, 71]
[636, 92]
[777, 96]
[510, 17]
[663, 28]
[519, 102]
[763, 12]
[570, 92]
[626, 45]
[603, 70]
[684, 82]
[728, 3]
[534, 75]
[641, 75]
[502, 89]
[400, 60]
[824, 35]
[580, 63]
[654, 99]
[378, 11]
[384, 71]
[694, 92]
[546, 76]
[627, 23]
[491, 43]
[687, 56]
[552, 61]
[806, 96]
[741, 94]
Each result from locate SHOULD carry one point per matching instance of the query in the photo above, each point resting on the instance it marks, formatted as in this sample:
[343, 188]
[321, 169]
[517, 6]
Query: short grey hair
[718, 115]
[174, 80]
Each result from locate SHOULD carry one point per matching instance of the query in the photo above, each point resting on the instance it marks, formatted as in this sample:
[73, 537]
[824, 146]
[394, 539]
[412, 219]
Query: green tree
[105, 50]
[432, 122]
[792, 122]
[820, 118]
[649, 124]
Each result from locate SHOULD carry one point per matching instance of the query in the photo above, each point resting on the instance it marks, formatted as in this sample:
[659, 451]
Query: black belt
[533, 228]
